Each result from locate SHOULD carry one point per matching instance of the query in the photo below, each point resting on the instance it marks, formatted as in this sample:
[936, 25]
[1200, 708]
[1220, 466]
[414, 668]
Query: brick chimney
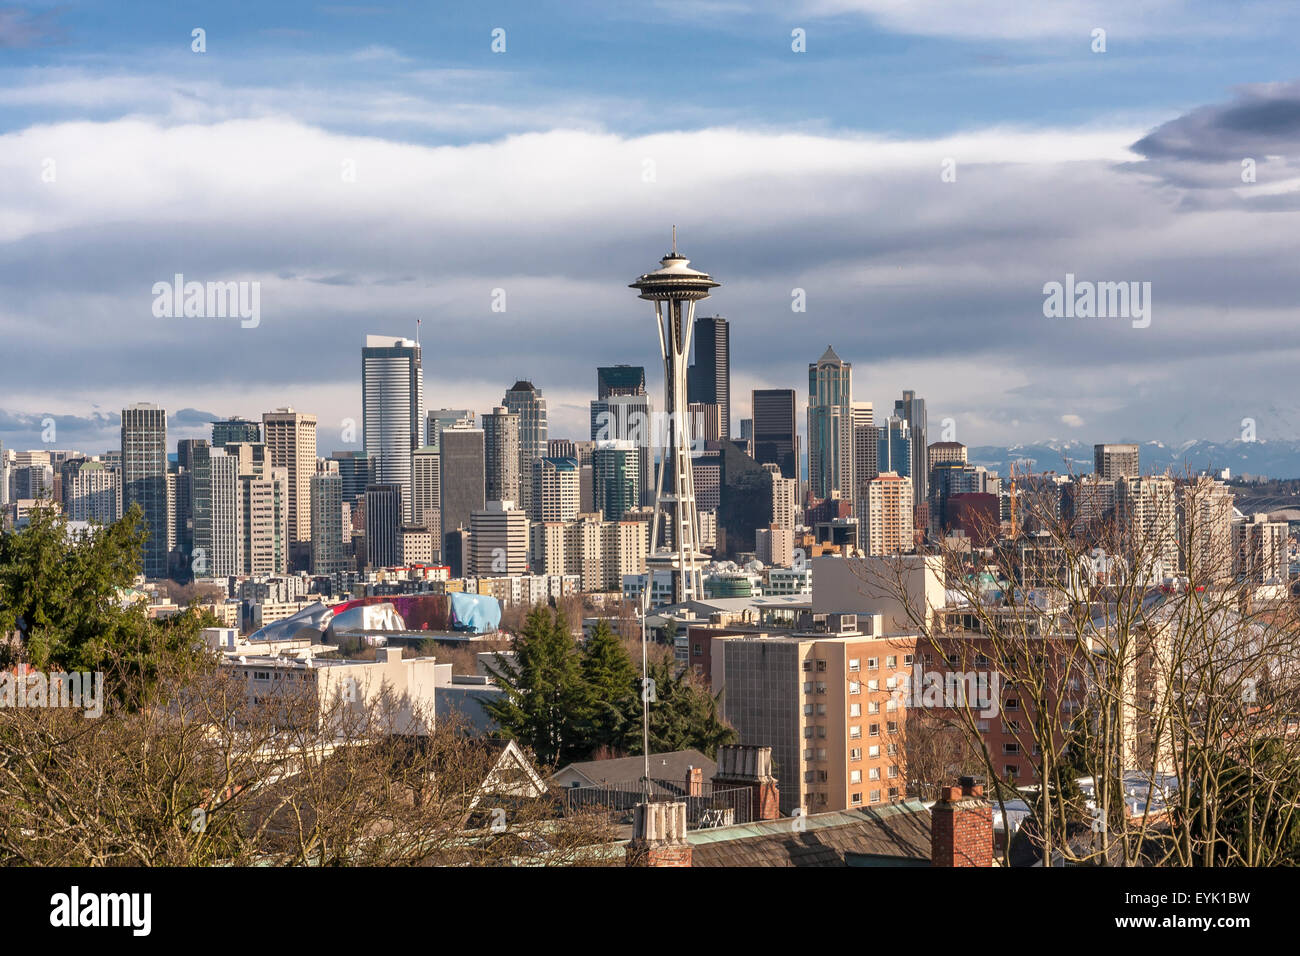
[961, 826]
[659, 836]
[745, 766]
[694, 781]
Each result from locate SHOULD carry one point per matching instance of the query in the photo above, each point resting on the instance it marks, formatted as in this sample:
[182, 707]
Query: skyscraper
[525, 400]
[912, 410]
[328, 542]
[616, 474]
[1116, 461]
[557, 489]
[708, 382]
[628, 417]
[231, 430]
[895, 447]
[91, 490]
[392, 386]
[291, 442]
[357, 469]
[384, 509]
[776, 431]
[502, 458]
[830, 426]
[462, 479]
[428, 492]
[620, 380]
[144, 478]
[440, 418]
[218, 526]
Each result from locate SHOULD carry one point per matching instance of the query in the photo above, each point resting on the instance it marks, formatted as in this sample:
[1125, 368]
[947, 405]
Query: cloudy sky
[371, 164]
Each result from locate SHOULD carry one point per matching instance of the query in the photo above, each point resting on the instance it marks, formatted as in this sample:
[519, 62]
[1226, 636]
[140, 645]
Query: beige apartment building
[600, 552]
[829, 705]
[291, 442]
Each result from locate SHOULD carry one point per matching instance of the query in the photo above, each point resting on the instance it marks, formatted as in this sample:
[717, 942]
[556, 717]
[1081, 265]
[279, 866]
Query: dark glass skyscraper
[776, 436]
[229, 431]
[912, 410]
[144, 479]
[620, 380]
[708, 381]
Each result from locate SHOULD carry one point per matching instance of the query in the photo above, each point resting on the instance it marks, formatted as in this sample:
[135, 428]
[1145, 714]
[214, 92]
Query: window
[821, 687]
[821, 710]
[807, 687]
[892, 726]
[875, 796]
[891, 704]
[821, 753]
[953, 660]
[1011, 747]
[807, 709]
[1011, 704]
[873, 707]
[855, 710]
[821, 776]
[807, 755]
[873, 730]
[807, 665]
[874, 773]
[873, 663]
[261, 675]
[855, 731]
[855, 687]
[1011, 726]
[1011, 770]
[891, 660]
[907, 660]
[853, 663]
[697, 650]
[821, 798]
[893, 793]
[821, 730]
[981, 660]
[855, 776]
[892, 750]
[821, 665]
[873, 751]
[873, 685]
[855, 753]
[856, 798]
[807, 776]
[893, 772]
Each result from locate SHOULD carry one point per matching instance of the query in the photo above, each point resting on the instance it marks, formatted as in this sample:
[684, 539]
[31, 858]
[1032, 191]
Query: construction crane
[1015, 523]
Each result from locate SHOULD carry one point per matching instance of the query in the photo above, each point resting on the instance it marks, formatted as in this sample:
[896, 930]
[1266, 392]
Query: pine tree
[684, 716]
[547, 703]
[611, 678]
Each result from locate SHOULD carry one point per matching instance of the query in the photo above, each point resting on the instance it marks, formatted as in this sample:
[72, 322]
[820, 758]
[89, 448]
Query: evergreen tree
[683, 716]
[63, 595]
[611, 678]
[547, 703]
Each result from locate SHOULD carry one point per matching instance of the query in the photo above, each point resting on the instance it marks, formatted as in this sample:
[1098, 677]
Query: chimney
[749, 767]
[659, 836]
[961, 826]
[694, 781]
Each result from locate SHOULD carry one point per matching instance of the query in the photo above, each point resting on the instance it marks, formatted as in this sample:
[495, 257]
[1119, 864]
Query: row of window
[855, 663]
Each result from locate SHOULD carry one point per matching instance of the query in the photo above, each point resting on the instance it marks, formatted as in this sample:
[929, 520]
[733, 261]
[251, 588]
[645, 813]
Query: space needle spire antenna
[674, 288]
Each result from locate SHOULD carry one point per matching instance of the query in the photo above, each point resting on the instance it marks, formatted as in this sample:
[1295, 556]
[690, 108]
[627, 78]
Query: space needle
[674, 288]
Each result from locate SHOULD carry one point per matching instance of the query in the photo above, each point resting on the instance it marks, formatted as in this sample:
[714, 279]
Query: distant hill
[1272, 459]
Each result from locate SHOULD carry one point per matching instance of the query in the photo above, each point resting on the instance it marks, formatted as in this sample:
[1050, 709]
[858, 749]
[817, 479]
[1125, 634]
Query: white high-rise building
[1260, 549]
[392, 387]
[91, 490]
